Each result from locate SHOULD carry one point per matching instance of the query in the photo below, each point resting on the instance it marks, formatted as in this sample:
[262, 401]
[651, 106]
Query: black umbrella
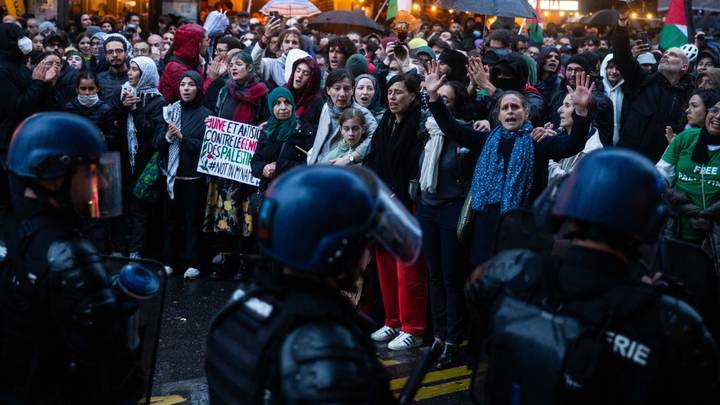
[602, 17]
[342, 22]
[500, 8]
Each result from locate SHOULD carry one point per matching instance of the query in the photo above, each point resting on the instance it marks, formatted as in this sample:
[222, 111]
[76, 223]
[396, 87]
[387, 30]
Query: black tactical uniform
[292, 337]
[580, 328]
[63, 337]
[651, 348]
[294, 342]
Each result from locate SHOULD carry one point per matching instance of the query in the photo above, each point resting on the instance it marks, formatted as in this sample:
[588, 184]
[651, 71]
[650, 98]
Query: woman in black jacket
[394, 156]
[139, 104]
[284, 141]
[512, 169]
[178, 141]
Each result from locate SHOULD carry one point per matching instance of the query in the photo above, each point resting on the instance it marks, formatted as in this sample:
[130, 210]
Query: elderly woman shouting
[512, 168]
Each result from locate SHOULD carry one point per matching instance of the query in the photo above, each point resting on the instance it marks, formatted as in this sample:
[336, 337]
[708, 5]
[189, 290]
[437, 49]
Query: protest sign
[227, 149]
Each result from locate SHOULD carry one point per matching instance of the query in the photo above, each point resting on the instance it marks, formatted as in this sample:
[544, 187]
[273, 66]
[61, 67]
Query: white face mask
[88, 101]
[25, 45]
[247, 43]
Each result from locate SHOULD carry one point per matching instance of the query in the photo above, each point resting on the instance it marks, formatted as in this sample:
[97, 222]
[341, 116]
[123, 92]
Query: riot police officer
[292, 337]
[63, 334]
[580, 328]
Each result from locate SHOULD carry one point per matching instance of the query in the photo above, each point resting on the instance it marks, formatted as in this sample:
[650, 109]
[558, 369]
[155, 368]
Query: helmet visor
[395, 228]
[105, 188]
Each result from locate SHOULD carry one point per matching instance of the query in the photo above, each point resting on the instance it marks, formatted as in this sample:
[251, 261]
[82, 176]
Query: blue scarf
[491, 184]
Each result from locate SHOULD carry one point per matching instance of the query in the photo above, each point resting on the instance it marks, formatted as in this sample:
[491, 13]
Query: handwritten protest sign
[227, 149]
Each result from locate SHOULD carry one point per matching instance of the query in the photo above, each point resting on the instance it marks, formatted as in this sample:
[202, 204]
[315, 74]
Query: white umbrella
[290, 8]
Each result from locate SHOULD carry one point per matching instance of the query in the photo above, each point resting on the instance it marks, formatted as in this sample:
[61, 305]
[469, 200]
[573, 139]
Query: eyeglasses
[574, 70]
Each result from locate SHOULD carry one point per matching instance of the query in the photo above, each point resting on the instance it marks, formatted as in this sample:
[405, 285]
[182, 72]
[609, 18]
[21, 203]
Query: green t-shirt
[690, 176]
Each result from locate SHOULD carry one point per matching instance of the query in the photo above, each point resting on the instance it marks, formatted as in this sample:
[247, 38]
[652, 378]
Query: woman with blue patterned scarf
[512, 168]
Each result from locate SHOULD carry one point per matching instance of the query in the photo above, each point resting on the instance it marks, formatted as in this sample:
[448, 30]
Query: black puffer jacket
[654, 102]
[285, 153]
[21, 95]
[100, 114]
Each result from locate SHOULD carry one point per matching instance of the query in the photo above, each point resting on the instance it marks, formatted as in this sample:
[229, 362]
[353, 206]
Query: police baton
[418, 373]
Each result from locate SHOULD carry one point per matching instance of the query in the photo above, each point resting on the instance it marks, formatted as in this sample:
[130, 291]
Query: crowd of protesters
[463, 121]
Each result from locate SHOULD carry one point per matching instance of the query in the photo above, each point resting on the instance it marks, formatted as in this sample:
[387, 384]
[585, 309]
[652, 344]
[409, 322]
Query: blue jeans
[447, 262]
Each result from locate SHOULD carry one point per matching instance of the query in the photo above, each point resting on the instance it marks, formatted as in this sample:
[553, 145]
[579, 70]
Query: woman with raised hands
[512, 169]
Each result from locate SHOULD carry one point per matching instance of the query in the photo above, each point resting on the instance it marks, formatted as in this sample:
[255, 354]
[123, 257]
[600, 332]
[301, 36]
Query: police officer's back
[579, 328]
[292, 337]
[63, 334]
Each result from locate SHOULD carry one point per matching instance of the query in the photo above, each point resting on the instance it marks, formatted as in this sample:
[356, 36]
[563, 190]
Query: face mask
[247, 43]
[477, 34]
[509, 84]
[25, 45]
[390, 76]
[88, 101]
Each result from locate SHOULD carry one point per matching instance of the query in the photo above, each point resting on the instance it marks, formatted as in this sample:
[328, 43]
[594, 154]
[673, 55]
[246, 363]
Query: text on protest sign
[227, 148]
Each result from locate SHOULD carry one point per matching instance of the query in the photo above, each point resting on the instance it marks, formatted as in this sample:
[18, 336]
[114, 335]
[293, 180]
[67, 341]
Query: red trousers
[404, 292]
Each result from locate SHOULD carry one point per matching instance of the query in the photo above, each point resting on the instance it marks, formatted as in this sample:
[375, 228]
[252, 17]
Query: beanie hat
[580, 60]
[47, 25]
[424, 49]
[417, 43]
[356, 65]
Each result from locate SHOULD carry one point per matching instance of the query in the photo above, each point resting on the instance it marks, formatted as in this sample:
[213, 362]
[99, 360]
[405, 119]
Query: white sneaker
[384, 334]
[168, 270]
[191, 273]
[405, 341]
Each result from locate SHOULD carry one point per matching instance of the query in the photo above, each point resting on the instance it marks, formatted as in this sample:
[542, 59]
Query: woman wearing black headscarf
[179, 140]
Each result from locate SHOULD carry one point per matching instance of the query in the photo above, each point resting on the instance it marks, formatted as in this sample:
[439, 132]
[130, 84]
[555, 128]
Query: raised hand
[482, 125]
[433, 80]
[669, 134]
[582, 95]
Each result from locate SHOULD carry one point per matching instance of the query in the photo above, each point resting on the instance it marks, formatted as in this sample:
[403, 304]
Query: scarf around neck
[700, 153]
[248, 97]
[146, 86]
[491, 184]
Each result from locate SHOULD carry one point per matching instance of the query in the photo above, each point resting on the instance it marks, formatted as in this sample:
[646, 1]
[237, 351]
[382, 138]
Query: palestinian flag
[535, 28]
[396, 5]
[674, 32]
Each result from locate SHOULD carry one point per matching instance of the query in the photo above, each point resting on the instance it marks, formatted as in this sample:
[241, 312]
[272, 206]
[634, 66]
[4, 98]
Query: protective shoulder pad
[71, 254]
[323, 362]
[514, 267]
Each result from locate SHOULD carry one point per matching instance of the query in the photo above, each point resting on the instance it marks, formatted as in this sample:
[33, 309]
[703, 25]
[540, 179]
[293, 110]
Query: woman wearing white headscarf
[139, 105]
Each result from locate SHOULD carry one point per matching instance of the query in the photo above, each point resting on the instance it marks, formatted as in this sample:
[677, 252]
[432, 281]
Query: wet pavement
[189, 310]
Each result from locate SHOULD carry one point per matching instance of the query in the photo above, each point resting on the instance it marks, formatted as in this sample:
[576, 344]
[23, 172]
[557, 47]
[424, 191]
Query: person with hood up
[178, 141]
[273, 69]
[601, 108]
[189, 46]
[304, 84]
[612, 85]
[23, 90]
[549, 80]
[138, 104]
[453, 64]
